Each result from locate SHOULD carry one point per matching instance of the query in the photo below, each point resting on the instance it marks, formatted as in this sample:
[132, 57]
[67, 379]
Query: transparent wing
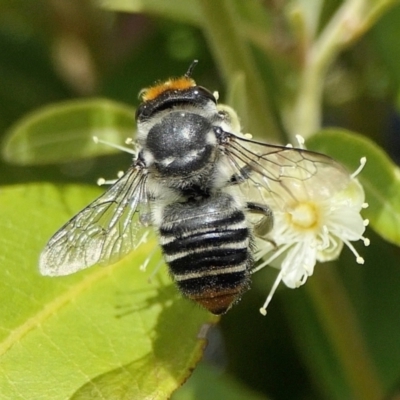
[103, 232]
[279, 174]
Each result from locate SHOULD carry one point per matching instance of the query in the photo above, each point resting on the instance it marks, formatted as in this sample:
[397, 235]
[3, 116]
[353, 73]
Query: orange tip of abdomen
[171, 84]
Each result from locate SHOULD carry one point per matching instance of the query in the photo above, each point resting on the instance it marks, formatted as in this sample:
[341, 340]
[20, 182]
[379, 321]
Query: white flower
[312, 220]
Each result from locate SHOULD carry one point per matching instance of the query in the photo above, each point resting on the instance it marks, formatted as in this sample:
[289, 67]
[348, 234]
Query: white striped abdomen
[207, 245]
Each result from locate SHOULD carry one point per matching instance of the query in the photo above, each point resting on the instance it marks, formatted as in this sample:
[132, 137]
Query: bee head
[171, 93]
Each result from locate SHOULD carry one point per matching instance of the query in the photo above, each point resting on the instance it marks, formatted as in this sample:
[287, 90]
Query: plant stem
[233, 55]
[351, 20]
[339, 320]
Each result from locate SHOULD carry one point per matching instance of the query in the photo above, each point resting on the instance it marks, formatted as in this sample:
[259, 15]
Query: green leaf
[380, 176]
[219, 386]
[106, 331]
[183, 10]
[64, 132]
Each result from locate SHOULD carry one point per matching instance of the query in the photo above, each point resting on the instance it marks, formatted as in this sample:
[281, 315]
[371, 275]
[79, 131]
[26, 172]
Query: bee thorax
[181, 145]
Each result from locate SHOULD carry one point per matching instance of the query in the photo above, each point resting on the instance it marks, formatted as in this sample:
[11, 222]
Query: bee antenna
[191, 68]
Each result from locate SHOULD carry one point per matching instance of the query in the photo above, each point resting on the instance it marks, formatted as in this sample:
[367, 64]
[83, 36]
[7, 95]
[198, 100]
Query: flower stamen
[270, 259]
[300, 141]
[102, 181]
[359, 259]
[115, 146]
[366, 241]
[263, 309]
[363, 161]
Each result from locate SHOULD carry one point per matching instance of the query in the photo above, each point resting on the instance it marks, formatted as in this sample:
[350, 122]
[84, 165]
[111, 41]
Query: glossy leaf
[106, 331]
[64, 132]
[380, 177]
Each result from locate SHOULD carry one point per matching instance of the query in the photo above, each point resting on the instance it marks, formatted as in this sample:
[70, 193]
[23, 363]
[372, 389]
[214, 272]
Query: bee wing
[281, 173]
[103, 232]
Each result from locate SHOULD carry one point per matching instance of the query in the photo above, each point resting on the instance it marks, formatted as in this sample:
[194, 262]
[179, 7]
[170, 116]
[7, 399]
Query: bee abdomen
[207, 247]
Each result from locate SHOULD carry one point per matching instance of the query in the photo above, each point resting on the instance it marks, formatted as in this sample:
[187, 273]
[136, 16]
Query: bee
[200, 183]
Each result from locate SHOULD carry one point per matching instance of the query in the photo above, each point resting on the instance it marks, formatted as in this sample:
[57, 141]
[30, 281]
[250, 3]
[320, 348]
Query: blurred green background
[53, 51]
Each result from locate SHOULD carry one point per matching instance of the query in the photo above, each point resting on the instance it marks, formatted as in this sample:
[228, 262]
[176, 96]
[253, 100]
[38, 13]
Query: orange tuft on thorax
[171, 84]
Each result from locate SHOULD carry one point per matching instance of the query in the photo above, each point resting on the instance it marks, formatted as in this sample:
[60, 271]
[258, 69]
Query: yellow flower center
[304, 216]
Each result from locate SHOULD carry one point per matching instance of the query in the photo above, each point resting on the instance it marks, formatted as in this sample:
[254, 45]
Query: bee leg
[242, 176]
[266, 223]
